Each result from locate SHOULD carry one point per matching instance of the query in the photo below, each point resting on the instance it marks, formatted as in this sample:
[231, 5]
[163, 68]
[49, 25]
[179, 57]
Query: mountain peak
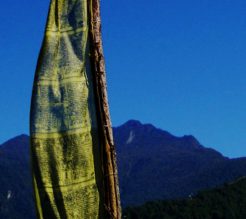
[22, 137]
[192, 141]
[16, 147]
[132, 123]
[19, 138]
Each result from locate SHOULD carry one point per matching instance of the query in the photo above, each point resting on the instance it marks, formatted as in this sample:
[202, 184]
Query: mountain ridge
[167, 166]
[152, 164]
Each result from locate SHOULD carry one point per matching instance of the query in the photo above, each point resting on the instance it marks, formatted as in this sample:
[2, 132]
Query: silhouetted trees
[227, 202]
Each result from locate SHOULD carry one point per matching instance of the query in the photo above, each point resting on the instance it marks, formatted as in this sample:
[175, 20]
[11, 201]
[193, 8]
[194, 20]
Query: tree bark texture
[109, 154]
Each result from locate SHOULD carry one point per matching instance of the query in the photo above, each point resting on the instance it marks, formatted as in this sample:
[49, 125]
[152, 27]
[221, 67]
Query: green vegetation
[227, 202]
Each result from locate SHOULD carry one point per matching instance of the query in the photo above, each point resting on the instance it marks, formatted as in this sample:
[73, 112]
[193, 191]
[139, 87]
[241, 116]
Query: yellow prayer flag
[72, 150]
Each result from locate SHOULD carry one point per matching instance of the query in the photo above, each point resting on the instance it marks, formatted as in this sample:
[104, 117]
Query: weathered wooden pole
[109, 155]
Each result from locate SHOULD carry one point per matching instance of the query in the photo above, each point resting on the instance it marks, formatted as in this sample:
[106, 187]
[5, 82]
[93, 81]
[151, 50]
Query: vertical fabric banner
[72, 151]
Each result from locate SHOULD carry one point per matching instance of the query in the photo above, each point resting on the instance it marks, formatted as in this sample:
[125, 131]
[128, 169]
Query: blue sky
[177, 64]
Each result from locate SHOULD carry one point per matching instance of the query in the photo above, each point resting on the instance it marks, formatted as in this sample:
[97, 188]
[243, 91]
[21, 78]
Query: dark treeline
[227, 202]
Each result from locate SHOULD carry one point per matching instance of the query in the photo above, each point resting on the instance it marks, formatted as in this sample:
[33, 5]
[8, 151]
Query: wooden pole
[111, 184]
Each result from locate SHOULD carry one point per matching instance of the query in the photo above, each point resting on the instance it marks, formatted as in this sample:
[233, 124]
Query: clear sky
[180, 65]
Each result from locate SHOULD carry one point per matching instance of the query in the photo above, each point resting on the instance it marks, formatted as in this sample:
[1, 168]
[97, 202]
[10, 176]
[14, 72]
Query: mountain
[153, 165]
[15, 180]
[226, 202]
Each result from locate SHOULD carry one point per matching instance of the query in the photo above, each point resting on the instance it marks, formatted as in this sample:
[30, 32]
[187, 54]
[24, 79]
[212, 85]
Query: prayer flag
[72, 150]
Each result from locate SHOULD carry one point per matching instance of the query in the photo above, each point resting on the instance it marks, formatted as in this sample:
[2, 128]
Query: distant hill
[227, 202]
[16, 200]
[153, 165]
